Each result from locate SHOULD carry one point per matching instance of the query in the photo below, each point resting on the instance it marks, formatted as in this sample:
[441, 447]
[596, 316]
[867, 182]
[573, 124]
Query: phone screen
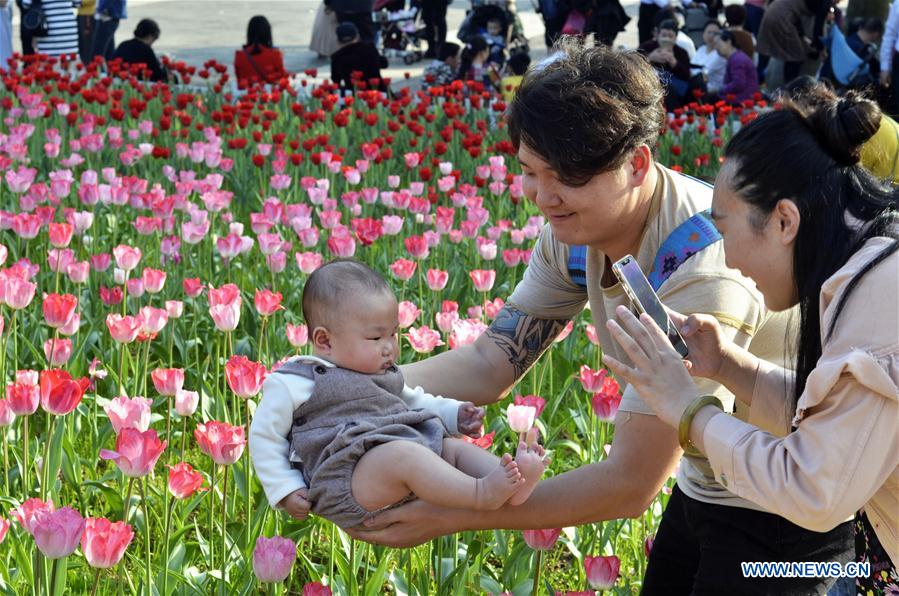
[642, 295]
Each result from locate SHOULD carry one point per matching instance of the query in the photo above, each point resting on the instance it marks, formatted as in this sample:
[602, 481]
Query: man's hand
[886, 77]
[471, 420]
[296, 505]
[409, 525]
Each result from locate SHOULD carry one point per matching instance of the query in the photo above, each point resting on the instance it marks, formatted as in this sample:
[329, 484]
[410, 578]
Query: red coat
[269, 66]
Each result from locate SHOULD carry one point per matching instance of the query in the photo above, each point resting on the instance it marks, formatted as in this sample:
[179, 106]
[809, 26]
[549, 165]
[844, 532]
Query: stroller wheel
[409, 58]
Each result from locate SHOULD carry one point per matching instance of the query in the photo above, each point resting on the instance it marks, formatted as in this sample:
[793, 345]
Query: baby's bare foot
[495, 488]
[531, 461]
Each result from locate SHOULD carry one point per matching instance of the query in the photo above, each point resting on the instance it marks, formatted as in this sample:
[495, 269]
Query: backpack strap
[686, 240]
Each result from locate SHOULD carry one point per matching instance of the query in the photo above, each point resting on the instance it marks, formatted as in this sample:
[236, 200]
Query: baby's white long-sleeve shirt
[270, 429]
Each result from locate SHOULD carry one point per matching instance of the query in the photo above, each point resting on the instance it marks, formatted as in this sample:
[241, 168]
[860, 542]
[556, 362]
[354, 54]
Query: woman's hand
[657, 373]
[707, 344]
[408, 525]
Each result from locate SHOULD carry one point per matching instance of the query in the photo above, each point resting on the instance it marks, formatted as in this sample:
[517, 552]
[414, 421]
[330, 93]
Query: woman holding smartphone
[803, 219]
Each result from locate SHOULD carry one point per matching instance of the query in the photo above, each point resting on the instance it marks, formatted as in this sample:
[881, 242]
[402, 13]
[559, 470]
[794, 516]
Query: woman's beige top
[844, 453]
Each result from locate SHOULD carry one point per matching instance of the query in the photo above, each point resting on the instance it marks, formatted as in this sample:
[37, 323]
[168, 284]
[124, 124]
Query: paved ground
[195, 31]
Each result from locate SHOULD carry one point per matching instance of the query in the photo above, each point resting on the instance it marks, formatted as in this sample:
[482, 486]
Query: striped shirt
[63, 36]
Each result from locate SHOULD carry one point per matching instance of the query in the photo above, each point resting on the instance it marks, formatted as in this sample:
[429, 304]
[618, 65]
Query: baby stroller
[511, 31]
[401, 32]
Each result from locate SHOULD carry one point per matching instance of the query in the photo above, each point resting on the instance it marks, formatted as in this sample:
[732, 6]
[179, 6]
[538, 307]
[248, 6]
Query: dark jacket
[681, 70]
[134, 51]
[361, 56]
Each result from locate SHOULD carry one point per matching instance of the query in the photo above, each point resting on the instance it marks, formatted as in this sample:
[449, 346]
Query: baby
[366, 441]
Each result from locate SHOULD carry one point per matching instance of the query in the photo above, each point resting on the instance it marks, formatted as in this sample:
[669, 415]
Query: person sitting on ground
[475, 64]
[139, 50]
[671, 60]
[356, 56]
[707, 61]
[516, 66]
[741, 80]
[259, 61]
[683, 40]
[363, 439]
[442, 71]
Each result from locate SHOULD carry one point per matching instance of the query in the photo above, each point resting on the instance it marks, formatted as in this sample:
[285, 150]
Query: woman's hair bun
[843, 124]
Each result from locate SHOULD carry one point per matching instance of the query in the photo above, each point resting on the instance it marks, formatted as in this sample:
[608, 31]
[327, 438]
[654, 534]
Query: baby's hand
[296, 505]
[470, 420]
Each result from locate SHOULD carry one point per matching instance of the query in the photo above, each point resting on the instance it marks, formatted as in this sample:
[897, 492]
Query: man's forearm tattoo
[522, 336]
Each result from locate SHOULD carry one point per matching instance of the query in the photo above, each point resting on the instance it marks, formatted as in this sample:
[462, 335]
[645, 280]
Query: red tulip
[535, 401]
[4, 528]
[60, 393]
[168, 381]
[244, 376]
[103, 542]
[267, 302]
[542, 539]
[602, 572]
[592, 380]
[136, 452]
[184, 481]
[57, 533]
[60, 234]
[417, 246]
[316, 589]
[193, 287]
[222, 442]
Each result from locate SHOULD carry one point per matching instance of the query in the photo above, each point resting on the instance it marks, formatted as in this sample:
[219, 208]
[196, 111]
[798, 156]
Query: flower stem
[536, 587]
[25, 462]
[45, 473]
[53, 574]
[96, 581]
[168, 524]
[126, 504]
[224, 530]
[143, 498]
[211, 516]
[183, 436]
[248, 473]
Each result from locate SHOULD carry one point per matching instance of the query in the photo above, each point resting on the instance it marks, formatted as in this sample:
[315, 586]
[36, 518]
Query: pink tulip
[592, 380]
[59, 259]
[437, 279]
[124, 412]
[186, 402]
[403, 269]
[60, 234]
[393, 224]
[341, 244]
[273, 558]
[417, 246]
[408, 312]
[590, 330]
[193, 287]
[100, 262]
[445, 320]
[19, 292]
[647, 545]
[225, 318]
[4, 528]
[135, 287]
[605, 402]
[78, 272]
[535, 401]
[136, 452]
[174, 308]
[492, 307]
[184, 481]
[126, 257]
[423, 339]
[267, 302]
[23, 398]
[7, 415]
[123, 329]
[465, 332]
[57, 533]
[297, 335]
[316, 589]
[103, 542]
[565, 332]
[222, 442]
[602, 572]
[58, 351]
[244, 376]
[309, 261]
[154, 280]
[521, 418]
[31, 512]
[168, 381]
[483, 279]
[542, 539]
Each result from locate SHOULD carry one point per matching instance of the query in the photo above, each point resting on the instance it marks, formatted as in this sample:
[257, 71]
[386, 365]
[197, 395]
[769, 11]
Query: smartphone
[637, 287]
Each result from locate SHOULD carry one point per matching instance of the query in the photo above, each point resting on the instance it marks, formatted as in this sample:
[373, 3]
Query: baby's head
[494, 27]
[352, 316]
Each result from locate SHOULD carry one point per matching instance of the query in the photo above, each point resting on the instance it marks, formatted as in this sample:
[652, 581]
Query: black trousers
[699, 548]
[433, 13]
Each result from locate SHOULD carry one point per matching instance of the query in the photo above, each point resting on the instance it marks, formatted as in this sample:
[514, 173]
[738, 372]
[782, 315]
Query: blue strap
[577, 264]
[686, 240]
